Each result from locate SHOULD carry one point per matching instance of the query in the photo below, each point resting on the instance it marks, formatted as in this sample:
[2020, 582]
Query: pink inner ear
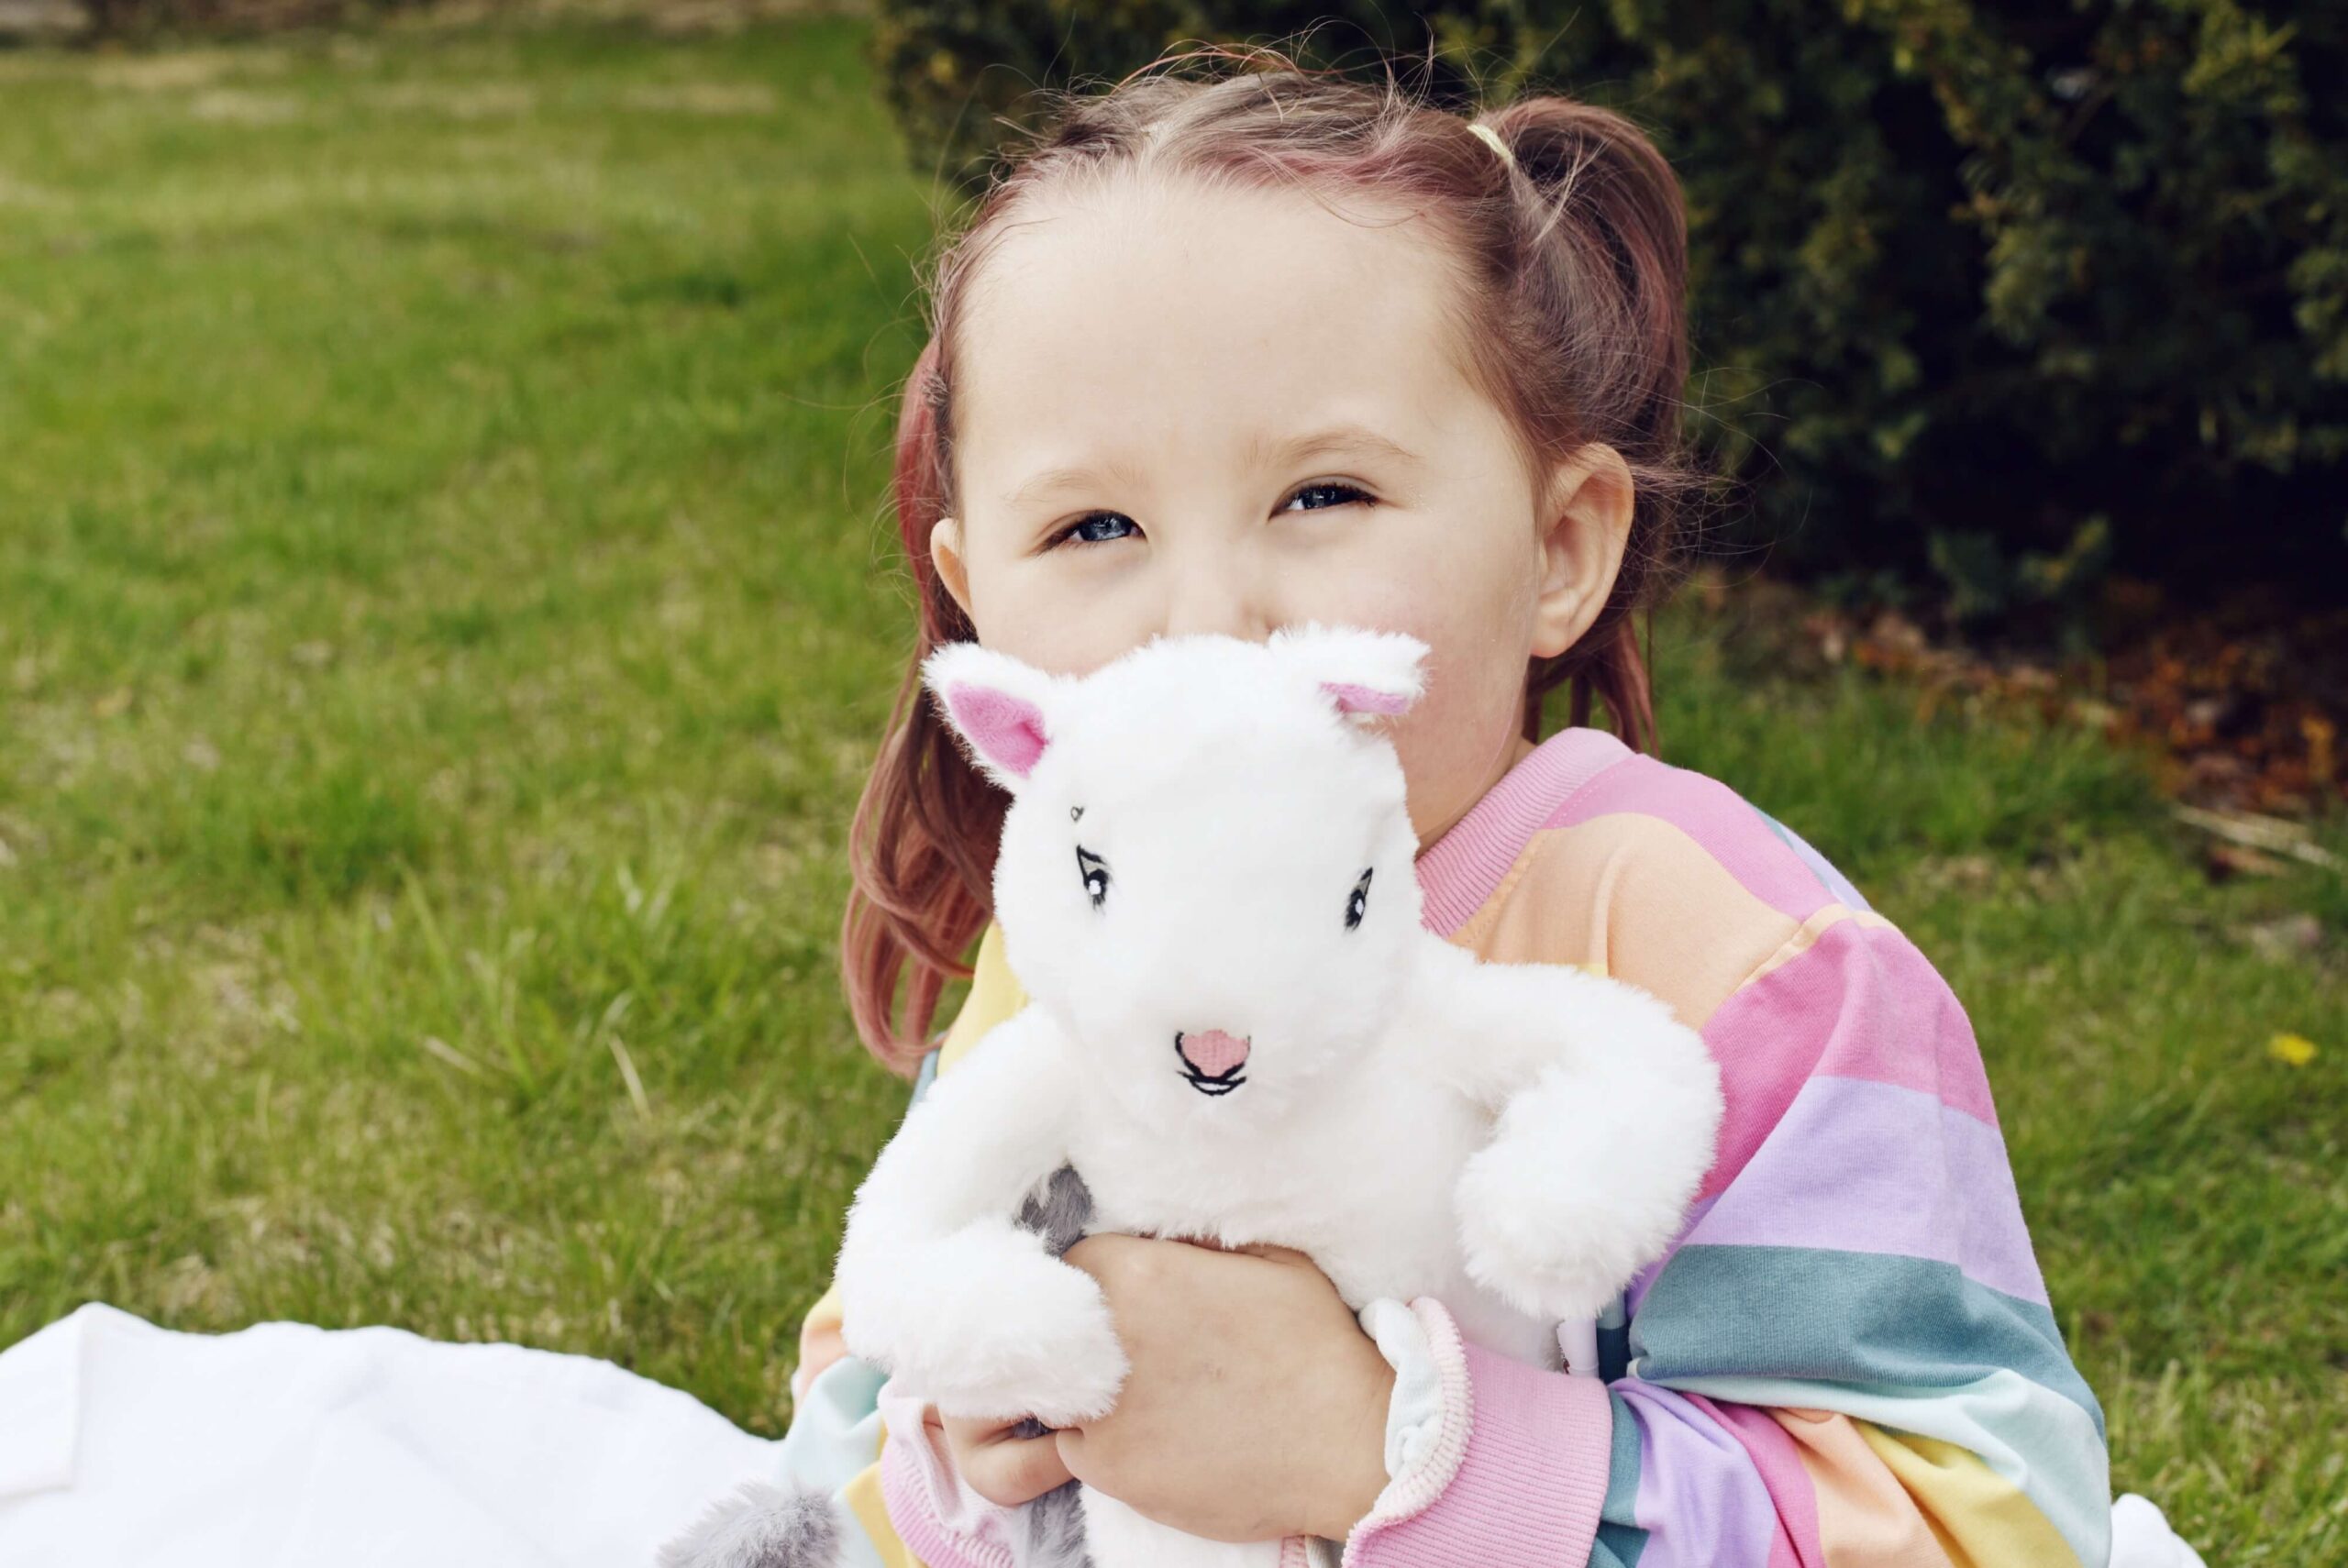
[1007, 730]
[1352, 698]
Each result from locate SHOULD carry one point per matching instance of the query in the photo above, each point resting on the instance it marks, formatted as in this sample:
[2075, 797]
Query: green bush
[1986, 288]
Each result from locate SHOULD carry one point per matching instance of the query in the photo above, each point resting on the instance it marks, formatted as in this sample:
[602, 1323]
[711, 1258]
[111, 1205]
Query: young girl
[1220, 355]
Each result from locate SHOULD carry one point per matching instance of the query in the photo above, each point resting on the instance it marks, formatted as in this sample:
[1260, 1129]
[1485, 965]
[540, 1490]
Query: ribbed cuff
[1515, 1476]
[920, 1489]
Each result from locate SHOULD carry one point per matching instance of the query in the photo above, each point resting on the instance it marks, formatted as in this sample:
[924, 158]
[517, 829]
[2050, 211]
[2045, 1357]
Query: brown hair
[1573, 313]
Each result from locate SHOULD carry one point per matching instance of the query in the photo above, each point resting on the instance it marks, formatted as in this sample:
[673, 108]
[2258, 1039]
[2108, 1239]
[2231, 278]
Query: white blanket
[286, 1446]
[124, 1444]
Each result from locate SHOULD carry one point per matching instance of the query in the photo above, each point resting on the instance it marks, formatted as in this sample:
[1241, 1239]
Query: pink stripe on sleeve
[1860, 1003]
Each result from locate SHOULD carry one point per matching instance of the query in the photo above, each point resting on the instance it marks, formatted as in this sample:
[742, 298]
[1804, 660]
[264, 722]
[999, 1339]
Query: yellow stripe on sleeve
[1981, 1519]
[862, 1497]
[994, 996]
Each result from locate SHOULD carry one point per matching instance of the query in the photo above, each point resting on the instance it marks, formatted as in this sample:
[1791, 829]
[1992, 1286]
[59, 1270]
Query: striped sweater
[1848, 1356]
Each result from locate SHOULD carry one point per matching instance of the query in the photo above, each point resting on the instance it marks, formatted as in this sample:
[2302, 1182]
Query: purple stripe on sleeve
[1861, 1002]
[1702, 1500]
[1869, 1167]
[1820, 866]
[1775, 1454]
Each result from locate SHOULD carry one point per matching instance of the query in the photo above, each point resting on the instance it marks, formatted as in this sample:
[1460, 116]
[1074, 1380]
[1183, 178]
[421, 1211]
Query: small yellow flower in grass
[2291, 1050]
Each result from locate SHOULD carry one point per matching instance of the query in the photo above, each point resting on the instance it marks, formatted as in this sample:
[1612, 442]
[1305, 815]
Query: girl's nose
[1217, 594]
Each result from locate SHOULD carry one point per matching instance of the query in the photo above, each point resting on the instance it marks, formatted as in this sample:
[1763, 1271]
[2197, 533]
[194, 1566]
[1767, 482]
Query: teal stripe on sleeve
[1904, 1343]
[1620, 1542]
[1833, 1317]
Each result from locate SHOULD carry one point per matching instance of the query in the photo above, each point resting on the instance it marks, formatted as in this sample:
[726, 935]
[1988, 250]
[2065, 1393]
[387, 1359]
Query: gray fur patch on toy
[1060, 1212]
[1056, 1530]
[1055, 1519]
[759, 1527]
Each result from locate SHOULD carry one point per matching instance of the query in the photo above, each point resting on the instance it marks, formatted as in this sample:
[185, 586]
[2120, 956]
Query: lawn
[445, 609]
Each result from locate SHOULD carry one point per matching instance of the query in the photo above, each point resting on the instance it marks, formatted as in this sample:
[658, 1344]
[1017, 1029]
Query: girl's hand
[1256, 1406]
[1004, 1468]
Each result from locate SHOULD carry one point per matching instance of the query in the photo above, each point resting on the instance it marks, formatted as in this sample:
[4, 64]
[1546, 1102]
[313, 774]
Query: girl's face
[1181, 410]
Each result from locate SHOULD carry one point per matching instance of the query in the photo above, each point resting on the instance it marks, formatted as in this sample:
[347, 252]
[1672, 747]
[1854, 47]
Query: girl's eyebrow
[1073, 476]
[1337, 439]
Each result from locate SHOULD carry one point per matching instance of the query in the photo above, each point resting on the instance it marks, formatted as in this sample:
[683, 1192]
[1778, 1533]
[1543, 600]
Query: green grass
[445, 614]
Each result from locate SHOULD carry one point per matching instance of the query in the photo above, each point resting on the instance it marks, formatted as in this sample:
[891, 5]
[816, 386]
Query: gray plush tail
[760, 1526]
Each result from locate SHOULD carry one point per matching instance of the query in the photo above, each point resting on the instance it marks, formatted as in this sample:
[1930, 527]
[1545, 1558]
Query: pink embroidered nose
[1211, 1053]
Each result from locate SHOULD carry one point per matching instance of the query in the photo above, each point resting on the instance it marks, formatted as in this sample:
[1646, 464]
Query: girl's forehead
[1185, 314]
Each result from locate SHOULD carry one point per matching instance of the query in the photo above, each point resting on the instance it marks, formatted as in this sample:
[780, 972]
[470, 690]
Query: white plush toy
[1239, 1031]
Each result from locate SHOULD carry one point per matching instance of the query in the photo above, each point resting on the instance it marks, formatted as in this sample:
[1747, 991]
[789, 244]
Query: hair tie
[1493, 137]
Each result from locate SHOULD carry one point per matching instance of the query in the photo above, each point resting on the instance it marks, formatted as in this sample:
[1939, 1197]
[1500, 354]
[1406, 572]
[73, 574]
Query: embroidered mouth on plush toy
[1212, 1059]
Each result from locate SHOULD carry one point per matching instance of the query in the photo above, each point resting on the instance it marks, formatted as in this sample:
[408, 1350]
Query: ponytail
[921, 846]
[1595, 270]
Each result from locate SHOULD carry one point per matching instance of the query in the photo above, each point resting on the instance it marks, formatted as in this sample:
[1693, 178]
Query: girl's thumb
[1020, 1471]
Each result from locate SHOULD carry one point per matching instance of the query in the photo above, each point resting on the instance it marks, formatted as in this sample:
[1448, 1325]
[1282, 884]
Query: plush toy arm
[983, 1137]
[937, 1281]
[1609, 1107]
[1493, 1028]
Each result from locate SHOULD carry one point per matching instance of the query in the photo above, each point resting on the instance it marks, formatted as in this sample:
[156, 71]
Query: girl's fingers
[1014, 1471]
[1006, 1469]
[1275, 1253]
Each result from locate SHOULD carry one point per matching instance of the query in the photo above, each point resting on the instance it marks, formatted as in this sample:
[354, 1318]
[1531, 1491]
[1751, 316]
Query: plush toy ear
[996, 704]
[1367, 674]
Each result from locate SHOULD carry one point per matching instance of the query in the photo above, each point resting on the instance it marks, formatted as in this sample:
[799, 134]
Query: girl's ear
[946, 556]
[1583, 538]
[1365, 674]
[996, 704]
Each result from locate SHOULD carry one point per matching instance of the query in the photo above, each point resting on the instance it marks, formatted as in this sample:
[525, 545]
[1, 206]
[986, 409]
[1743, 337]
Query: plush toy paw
[984, 1323]
[1549, 1254]
[1048, 1349]
[760, 1526]
[1555, 1215]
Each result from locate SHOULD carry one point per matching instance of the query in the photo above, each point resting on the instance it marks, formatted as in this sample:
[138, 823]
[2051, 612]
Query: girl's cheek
[1457, 739]
[1069, 622]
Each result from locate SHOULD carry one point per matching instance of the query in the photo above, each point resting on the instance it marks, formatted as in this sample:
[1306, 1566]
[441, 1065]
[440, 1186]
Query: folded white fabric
[2141, 1537]
[123, 1444]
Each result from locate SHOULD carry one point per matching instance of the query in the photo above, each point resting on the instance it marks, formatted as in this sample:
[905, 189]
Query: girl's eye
[1100, 529]
[1095, 871]
[1335, 494]
[1358, 905]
